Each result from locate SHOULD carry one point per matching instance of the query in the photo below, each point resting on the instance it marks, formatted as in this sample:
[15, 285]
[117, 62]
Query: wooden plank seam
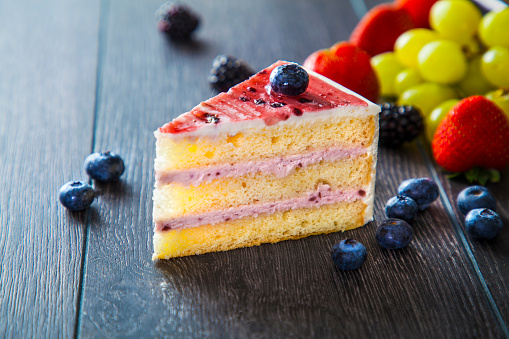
[104, 11]
[463, 240]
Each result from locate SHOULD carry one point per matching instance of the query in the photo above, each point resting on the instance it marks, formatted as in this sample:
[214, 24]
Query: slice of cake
[251, 166]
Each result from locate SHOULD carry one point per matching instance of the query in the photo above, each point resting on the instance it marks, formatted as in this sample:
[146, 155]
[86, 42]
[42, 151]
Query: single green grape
[455, 19]
[474, 82]
[494, 28]
[386, 67]
[406, 79]
[408, 44]
[501, 98]
[427, 96]
[437, 115]
[495, 66]
[442, 61]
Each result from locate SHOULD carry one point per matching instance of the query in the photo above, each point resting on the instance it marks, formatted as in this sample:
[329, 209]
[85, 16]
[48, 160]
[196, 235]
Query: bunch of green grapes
[464, 54]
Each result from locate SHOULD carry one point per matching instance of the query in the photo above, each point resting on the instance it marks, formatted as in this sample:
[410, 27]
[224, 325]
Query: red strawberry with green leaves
[474, 134]
[347, 65]
[380, 27]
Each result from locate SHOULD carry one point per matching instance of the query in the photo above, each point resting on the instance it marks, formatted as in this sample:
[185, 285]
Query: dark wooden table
[83, 76]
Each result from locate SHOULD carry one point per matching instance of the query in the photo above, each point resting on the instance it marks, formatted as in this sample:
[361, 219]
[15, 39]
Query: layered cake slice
[251, 166]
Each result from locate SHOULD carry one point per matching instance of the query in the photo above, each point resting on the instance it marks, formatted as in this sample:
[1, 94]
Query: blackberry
[177, 20]
[227, 71]
[399, 124]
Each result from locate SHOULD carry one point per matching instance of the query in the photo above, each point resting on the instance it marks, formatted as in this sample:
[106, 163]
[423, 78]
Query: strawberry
[347, 65]
[380, 27]
[474, 133]
[418, 10]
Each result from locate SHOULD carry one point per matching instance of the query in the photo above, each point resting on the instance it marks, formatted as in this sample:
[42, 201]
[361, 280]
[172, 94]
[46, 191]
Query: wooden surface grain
[490, 258]
[96, 76]
[47, 79]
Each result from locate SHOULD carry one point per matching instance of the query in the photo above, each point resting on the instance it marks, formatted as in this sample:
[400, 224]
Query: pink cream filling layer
[279, 167]
[322, 196]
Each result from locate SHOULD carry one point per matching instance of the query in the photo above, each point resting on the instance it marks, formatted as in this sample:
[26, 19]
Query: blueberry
[483, 223]
[76, 195]
[394, 233]
[349, 254]
[423, 190]
[289, 79]
[401, 207]
[105, 166]
[475, 197]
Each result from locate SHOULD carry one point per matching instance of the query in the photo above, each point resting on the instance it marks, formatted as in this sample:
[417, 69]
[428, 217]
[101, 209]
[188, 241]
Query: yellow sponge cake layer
[220, 194]
[250, 231]
[262, 143]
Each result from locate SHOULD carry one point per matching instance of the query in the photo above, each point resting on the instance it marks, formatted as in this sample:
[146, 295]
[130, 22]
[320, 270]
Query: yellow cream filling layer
[263, 143]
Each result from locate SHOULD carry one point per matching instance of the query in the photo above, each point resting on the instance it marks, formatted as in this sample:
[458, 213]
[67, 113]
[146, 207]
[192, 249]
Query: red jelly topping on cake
[252, 100]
